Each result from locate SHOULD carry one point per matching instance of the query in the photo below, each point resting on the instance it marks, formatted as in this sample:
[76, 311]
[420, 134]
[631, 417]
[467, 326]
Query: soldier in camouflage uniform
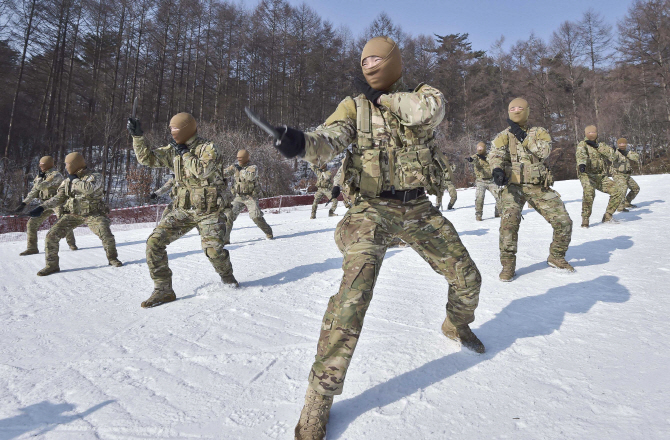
[199, 200]
[393, 162]
[324, 188]
[483, 181]
[81, 197]
[591, 172]
[45, 186]
[621, 171]
[160, 192]
[447, 185]
[247, 190]
[517, 163]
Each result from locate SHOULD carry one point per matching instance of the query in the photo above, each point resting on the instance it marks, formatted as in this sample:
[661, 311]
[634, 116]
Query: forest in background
[70, 69]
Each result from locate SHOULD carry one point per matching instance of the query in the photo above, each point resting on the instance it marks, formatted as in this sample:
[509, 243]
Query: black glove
[335, 192]
[469, 159]
[370, 93]
[482, 156]
[292, 142]
[135, 127]
[20, 208]
[499, 177]
[516, 130]
[179, 148]
[36, 212]
[42, 174]
[592, 143]
[237, 165]
[582, 168]
[72, 177]
[153, 196]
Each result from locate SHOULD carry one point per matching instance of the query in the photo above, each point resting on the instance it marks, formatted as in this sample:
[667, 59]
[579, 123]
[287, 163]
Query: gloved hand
[582, 168]
[72, 177]
[36, 212]
[180, 149]
[335, 192]
[516, 130]
[135, 127]
[42, 174]
[469, 159]
[237, 165]
[292, 142]
[592, 143]
[482, 156]
[153, 196]
[499, 177]
[20, 208]
[624, 152]
[370, 93]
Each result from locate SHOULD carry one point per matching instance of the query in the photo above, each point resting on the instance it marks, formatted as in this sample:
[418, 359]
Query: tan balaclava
[46, 163]
[481, 148]
[520, 117]
[242, 157]
[622, 143]
[389, 70]
[591, 132]
[74, 162]
[182, 127]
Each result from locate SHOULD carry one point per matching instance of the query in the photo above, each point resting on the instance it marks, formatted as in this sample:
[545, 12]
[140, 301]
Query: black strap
[403, 196]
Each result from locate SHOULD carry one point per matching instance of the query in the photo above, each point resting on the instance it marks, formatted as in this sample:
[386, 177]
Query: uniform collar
[191, 140]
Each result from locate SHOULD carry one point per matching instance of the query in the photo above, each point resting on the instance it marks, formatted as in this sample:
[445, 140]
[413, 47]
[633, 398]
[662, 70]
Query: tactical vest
[204, 196]
[594, 163]
[621, 164]
[245, 181]
[526, 168]
[323, 179]
[482, 169]
[390, 156]
[85, 205]
[46, 193]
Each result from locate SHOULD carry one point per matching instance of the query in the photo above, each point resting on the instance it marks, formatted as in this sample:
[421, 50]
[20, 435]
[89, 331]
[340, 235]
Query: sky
[484, 20]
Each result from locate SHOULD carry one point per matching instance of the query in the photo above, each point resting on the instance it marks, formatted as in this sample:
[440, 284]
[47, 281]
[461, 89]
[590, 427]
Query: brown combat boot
[74, 247]
[230, 280]
[585, 222]
[478, 217]
[630, 205]
[314, 416]
[463, 334]
[559, 263]
[48, 270]
[29, 252]
[607, 218]
[161, 295]
[312, 217]
[508, 271]
[115, 262]
[450, 206]
[331, 214]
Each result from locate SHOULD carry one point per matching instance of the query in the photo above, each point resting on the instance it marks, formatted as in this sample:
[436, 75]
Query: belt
[403, 196]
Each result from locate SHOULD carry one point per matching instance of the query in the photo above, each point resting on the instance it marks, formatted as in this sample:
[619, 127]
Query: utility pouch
[199, 200]
[412, 168]
[549, 179]
[371, 181]
[534, 173]
[515, 173]
[212, 199]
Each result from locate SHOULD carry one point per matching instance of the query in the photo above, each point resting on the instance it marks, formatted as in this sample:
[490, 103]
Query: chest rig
[390, 156]
[51, 190]
[245, 180]
[525, 167]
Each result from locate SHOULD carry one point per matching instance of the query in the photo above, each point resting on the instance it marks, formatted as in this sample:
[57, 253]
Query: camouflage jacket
[322, 178]
[246, 180]
[448, 172]
[592, 158]
[481, 167]
[166, 188]
[199, 181]
[623, 164]
[81, 196]
[523, 162]
[392, 146]
[46, 187]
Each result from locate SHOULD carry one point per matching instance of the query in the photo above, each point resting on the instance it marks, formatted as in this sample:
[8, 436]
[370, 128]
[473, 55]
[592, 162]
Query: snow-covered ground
[569, 356]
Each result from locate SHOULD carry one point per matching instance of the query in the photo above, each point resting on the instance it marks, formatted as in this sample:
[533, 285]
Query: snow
[569, 356]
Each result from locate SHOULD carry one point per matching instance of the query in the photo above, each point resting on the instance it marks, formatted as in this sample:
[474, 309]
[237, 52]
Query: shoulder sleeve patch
[345, 110]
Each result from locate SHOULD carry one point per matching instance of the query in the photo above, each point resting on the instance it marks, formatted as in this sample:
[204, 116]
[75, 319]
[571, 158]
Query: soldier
[449, 186]
[45, 186]
[483, 181]
[160, 192]
[81, 197]
[591, 172]
[621, 171]
[199, 201]
[324, 188]
[247, 190]
[517, 163]
[393, 162]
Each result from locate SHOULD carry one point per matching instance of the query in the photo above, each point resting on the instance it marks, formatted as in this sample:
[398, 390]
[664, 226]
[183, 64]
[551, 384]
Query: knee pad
[214, 253]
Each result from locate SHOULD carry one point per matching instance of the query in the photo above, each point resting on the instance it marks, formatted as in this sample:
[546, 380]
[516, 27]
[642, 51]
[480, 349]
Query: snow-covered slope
[569, 356]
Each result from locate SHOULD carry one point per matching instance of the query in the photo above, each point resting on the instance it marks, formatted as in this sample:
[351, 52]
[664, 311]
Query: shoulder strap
[512, 146]
[363, 114]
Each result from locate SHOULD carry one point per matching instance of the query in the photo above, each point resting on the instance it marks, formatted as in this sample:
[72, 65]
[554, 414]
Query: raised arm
[158, 158]
[424, 106]
[334, 136]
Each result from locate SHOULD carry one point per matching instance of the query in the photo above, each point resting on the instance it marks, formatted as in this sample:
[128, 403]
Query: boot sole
[561, 268]
[156, 304]
[507, 281]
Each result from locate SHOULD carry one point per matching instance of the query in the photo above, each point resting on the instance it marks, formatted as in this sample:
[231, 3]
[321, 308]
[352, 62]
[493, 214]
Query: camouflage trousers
[452, 194]
[178, 222]
[627, 182]
[167, 209]
[320, 194]
[547, 203]
[98, 224]
[482, 187]
[600, 182]
[34, 224]
[363, 236]
[255, 213]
